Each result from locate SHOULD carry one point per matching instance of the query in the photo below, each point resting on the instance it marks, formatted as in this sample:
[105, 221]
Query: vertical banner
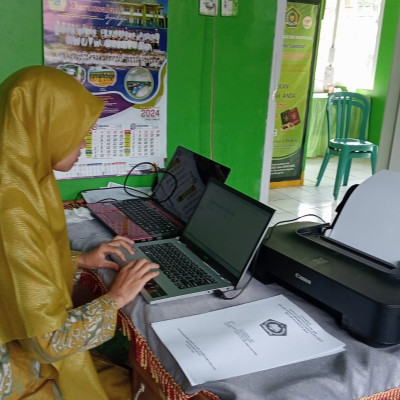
[293, 94]
[118, 51]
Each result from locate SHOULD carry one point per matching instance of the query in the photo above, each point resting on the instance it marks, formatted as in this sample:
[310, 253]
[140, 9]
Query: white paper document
[370, 219]
[114, 191]
[243, 339]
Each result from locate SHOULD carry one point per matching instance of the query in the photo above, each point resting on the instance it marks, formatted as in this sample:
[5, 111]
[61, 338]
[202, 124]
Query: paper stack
[243, 339]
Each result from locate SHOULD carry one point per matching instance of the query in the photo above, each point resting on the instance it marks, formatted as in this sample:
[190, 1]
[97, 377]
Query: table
[358, 372]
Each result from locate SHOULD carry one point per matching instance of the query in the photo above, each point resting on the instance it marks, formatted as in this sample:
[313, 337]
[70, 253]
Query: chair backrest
[342, 108]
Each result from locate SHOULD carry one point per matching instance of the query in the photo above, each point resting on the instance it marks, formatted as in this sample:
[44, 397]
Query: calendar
[122, 62]
[109, 144]
[115, 151]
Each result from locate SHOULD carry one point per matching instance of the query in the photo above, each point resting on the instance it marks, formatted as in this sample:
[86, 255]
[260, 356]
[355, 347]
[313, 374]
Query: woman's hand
[97, 258]
[131, 279]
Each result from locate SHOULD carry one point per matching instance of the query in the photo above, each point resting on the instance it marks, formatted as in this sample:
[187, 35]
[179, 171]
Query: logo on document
[274, 328]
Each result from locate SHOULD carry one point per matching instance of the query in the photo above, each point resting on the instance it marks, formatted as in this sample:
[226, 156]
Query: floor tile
[318, 201]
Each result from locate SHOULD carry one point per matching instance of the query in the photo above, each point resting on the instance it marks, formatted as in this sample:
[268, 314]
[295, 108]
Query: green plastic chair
[342, 140]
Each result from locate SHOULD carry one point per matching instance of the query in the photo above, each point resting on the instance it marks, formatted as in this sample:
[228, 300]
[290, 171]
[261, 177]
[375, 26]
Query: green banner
[292, 96]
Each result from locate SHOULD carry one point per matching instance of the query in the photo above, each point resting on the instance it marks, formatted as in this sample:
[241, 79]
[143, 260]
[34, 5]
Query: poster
[118, 51]
[293, 93]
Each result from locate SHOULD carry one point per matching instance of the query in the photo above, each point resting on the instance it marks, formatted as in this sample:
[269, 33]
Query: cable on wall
[212, 102]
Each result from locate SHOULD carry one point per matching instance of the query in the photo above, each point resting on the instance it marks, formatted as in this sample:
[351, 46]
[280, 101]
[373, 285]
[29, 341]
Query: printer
[362, 292]
[351, 267]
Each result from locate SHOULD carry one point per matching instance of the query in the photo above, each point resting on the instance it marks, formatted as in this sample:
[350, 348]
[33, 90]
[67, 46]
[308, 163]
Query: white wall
[389, 146]
[274, 80]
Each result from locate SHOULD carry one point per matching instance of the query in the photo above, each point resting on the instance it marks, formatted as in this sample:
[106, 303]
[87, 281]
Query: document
[114, 191]
[370, 220]
[243, 339]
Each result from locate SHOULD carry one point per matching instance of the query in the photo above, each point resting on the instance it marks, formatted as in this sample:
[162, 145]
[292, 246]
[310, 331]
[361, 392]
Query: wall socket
[229, 8]
[208, 7]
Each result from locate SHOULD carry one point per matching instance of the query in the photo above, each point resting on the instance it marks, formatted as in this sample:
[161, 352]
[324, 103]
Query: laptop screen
[192, 172]
[238, 225]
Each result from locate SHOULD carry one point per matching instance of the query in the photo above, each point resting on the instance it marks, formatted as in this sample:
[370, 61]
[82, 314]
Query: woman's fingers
[121, 241]
[131, 280]
[138, 269]
[124, 239]
[100, 256]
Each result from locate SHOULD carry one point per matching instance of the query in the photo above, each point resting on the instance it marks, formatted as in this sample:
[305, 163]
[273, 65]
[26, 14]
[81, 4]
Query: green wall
[243, 52]
[21, 41]
[244, 46]
[242, 61]
[383, 68]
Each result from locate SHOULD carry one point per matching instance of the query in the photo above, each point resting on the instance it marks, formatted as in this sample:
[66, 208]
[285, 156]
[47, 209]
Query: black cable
[108, 199]
[156, 170]
[290, 220]
[79, 194]
[222, 295]
[127, 188]
[124, 187]
[173, 190]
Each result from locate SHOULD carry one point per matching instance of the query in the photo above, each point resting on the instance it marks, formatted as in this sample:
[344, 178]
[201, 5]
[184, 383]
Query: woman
[44, 341]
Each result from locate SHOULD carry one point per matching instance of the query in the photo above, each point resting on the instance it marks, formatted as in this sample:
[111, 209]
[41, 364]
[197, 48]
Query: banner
[118, 51]
[294, 90]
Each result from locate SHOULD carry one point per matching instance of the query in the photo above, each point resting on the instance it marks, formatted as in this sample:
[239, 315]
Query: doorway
[343, 22]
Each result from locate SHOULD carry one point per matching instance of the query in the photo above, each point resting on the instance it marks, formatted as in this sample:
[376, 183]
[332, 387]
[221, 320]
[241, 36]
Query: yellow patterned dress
[44, 116]
[25, 370]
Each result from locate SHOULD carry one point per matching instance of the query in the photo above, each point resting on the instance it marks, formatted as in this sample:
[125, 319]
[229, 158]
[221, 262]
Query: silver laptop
[215, 249]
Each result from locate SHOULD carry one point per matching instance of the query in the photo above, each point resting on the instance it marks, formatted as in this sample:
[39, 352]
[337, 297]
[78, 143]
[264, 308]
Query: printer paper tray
[315, 233]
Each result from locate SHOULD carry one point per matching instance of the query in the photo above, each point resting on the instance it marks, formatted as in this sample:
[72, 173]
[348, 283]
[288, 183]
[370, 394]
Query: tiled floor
[292, 202]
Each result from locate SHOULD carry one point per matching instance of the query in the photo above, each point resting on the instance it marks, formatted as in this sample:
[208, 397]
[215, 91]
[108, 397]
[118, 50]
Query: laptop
[214, 251]
[174, 199]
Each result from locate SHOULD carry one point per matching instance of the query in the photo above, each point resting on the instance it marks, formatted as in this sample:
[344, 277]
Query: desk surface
[358, 372]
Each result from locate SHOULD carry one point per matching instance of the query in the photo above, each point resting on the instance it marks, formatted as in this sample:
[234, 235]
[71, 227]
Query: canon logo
[302, 278]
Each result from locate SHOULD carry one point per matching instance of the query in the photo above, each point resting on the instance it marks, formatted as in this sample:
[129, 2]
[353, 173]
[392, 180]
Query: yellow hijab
[44, 115]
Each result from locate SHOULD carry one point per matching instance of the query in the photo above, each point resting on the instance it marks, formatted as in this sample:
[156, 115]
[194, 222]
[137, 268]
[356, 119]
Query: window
[349, 43]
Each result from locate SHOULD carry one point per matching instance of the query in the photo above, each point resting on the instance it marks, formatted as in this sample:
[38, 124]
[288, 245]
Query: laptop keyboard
[177, 266]
[147, 217]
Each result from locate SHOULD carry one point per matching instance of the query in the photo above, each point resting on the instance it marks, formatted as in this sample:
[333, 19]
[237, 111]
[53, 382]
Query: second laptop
[173, 202]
